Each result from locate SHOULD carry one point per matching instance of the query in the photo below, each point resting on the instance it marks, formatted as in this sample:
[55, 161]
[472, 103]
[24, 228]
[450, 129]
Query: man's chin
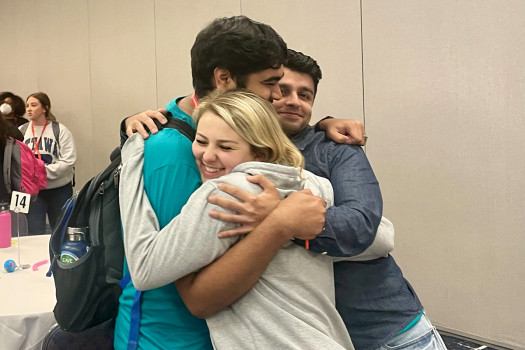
[290, 129]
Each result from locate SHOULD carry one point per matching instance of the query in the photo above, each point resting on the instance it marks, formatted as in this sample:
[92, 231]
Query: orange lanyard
[36, 151]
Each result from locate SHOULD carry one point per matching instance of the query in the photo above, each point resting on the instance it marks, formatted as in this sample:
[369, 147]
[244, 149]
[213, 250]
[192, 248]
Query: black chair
[91, 339]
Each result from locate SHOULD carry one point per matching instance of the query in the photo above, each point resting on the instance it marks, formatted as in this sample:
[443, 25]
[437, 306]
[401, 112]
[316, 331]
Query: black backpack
[87, 290]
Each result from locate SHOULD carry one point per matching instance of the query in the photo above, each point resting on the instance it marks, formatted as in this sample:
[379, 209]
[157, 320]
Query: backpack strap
[54, 125]
[56, 132]
[180, 125]
[188, 131]
[23, 128]
[8, 151]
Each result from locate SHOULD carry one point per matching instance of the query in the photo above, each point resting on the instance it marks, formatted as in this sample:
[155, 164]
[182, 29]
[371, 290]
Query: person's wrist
[277, 224]
[318, 126]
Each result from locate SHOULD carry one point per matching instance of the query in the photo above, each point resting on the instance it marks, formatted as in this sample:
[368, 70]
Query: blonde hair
[256, 121]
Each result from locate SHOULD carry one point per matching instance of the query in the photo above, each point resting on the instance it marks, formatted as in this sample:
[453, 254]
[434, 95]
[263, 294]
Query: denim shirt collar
[300, 139]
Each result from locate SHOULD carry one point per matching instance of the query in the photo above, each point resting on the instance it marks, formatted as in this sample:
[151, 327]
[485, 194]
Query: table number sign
[20, 202]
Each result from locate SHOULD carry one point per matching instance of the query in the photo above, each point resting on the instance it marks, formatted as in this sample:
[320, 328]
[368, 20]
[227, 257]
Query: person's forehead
[296, 79]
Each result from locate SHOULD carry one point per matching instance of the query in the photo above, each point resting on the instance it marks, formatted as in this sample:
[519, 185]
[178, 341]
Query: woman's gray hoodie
[291, 307]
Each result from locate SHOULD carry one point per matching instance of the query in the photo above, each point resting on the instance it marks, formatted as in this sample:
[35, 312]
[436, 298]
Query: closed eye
[305, 96]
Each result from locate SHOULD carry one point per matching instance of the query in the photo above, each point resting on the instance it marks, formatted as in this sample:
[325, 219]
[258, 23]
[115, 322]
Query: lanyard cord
[36, 151]
[194, 100]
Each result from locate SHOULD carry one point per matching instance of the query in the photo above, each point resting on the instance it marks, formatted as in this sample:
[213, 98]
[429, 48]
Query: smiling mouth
[290, 114]
[211, 170]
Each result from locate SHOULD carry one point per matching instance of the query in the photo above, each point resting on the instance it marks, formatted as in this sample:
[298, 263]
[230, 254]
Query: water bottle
[5, 226]
[75, 245]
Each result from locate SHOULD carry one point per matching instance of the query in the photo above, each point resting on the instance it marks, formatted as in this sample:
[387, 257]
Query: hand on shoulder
[143, 123]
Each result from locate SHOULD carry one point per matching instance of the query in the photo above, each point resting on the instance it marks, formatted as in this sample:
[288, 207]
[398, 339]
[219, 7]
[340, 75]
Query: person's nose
[209, 155]
[276, 93]
[292, 99]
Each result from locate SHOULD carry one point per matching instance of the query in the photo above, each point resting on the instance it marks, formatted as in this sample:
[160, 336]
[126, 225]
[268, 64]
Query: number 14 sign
[20, 202]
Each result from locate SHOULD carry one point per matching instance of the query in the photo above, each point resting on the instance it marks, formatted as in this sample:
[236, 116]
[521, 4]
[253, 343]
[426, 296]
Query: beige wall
[440, 85]
[445, 98]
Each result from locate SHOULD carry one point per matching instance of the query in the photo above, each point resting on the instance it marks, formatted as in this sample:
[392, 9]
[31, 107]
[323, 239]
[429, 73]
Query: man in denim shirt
[379, 307]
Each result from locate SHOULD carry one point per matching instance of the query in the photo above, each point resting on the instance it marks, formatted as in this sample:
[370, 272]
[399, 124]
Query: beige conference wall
[443, 92]
[445, 98]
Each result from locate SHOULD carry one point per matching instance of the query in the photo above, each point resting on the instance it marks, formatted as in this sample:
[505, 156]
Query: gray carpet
[454, 343]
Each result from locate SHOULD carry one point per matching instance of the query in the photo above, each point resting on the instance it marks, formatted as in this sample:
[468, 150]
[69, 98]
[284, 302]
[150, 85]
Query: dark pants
[48, 202]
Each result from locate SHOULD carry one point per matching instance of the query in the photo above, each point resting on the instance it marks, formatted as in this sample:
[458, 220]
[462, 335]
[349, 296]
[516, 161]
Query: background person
[14, 113]
[53, 143]
[6, 130]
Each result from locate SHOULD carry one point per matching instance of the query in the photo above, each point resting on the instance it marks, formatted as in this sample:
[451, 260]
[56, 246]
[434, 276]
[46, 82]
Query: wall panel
[444, 92]
[19, 48]
[122, 67]
[330, 33]
[177, 23]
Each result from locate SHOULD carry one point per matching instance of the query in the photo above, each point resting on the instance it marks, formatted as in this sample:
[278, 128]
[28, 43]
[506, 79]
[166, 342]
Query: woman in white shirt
[53, 143]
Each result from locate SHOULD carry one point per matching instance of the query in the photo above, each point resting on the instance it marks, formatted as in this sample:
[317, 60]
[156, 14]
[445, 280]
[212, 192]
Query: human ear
[260, 156]
[223, 79]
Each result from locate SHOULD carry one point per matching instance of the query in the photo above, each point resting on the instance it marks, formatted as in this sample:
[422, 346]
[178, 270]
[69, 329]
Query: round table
[27, 296]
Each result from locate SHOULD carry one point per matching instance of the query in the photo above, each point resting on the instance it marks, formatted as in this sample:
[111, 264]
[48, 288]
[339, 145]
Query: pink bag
[23, 172]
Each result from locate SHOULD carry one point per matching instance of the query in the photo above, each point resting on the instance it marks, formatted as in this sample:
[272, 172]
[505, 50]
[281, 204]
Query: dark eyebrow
[274, 78]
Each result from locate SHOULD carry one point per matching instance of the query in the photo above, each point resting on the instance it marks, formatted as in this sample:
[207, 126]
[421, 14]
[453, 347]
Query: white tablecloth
[27, 297]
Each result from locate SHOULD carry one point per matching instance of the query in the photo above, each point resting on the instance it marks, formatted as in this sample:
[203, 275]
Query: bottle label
[68, 257]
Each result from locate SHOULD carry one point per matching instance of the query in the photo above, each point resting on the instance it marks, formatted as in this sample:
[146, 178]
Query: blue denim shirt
[373, 298]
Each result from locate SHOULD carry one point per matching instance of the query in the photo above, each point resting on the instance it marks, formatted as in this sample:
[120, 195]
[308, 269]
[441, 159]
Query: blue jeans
[422, 336]
[49, 202]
